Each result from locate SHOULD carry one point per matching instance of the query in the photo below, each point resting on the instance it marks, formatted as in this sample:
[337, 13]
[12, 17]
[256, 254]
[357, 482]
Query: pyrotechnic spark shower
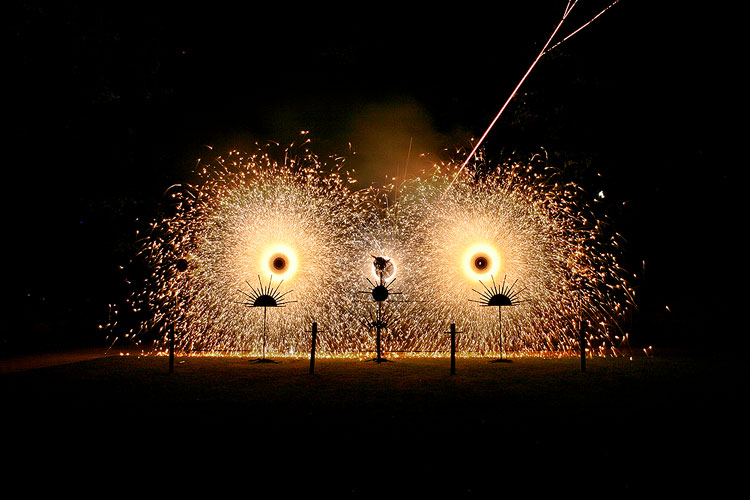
[270, 213]
[287, 219]
[284, 213]
[516, 219]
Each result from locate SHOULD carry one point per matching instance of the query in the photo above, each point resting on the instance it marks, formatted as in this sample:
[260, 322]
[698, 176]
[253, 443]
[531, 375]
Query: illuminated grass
[142, 384]
[406, 426]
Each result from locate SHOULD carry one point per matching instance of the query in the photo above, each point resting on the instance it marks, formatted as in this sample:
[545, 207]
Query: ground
[354, 428]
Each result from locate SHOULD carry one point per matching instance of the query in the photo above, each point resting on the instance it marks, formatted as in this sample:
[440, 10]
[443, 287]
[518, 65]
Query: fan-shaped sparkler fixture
[265, 297]
[498, 297]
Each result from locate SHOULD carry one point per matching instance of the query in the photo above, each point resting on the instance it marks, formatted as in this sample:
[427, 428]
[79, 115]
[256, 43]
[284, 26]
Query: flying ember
[290, 220]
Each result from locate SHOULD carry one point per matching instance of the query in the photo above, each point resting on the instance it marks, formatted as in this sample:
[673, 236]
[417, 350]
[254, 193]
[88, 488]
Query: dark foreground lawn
[221, 426]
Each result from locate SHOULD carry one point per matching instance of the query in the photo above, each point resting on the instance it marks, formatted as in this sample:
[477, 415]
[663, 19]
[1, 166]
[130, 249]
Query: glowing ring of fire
[481, 261]
[280, 261]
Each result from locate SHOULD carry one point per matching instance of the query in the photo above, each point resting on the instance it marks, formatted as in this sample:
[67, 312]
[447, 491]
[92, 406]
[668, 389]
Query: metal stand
[453, 333]
[502, 296]
[378, 325]
[583, 345]
[379, 294]
[171, 350]
[265, 297]
[312, 347]
[501, 359]
[263, 359]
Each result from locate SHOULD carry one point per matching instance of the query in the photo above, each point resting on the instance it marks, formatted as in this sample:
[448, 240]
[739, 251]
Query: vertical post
[583, 345]
[312, 348]
[453, 348]
[377, 330]
[264, 333]
[171, 349]
[500, 327]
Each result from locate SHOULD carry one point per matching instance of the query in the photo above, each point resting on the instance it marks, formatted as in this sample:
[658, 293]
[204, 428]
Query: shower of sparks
[252, 215]
[464, 225]
[295, 219]
[285, 214]
[273, 212]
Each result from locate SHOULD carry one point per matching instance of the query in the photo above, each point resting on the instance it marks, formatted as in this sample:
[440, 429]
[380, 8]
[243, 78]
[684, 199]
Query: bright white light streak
[568, 8]
[583, 26]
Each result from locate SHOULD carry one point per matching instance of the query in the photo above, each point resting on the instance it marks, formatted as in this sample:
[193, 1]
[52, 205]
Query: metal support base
[263, 360]
[501, 360]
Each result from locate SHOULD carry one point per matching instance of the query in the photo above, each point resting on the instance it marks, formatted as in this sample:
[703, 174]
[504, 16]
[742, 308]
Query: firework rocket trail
[545, 50]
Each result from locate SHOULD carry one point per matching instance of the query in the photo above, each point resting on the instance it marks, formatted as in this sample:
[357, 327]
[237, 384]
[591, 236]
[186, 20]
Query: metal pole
[377, 338]
[453, 348]
[171, 350]
[312, 348]
[500, 326]
[264, 333]
[583, 345]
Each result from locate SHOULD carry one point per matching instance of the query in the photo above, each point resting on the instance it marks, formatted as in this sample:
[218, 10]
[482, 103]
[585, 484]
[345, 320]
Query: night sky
[110, 104]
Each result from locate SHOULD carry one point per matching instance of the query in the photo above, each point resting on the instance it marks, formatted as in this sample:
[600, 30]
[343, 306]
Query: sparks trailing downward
[283, 212]
[516, 219]
[303, 227]
[279, 212]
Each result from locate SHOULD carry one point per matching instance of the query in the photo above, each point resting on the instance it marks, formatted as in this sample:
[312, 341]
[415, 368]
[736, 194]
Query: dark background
[110, 104]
